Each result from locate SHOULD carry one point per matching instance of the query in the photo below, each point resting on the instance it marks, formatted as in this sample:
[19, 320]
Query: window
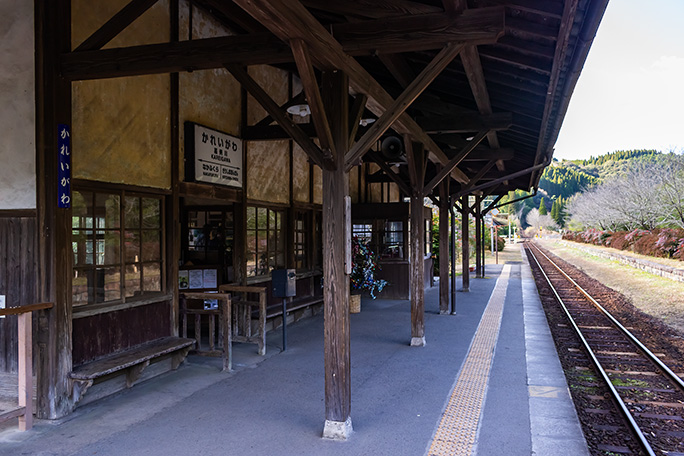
[393, 240]
[301, 240]
[209, 236]
[117, 246]
[384, 237]
[265, 241]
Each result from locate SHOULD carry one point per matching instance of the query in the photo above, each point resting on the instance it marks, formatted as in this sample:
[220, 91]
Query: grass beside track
[657, 296]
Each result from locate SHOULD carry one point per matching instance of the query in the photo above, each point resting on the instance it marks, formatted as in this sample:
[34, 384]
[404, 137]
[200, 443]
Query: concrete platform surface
[274, 405]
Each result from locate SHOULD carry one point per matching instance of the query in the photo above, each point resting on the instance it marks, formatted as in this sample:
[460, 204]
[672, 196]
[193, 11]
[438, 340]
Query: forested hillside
[566, 179]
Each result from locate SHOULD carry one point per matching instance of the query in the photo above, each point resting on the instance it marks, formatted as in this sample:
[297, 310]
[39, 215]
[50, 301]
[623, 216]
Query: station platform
[487, 382]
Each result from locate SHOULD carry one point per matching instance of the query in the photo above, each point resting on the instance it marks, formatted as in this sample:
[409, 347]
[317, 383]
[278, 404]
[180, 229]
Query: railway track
[645, 391]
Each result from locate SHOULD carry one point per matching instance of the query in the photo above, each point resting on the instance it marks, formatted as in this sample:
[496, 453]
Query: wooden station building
[146, 140]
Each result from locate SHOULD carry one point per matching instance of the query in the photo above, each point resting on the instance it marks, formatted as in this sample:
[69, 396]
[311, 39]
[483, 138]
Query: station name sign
[212, 156]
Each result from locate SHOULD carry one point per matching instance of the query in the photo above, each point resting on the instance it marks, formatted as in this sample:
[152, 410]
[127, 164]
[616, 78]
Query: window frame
[277, 253]
[92, 303]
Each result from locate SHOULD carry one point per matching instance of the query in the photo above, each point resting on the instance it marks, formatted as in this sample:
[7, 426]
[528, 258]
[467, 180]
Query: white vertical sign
[218, 157]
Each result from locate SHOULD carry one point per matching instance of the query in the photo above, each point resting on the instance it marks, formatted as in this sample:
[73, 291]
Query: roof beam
[313, 95]
[289, 19]
[453, 163]
[396, 178]
[356, 112]
[466, 123]
[491, 154]
[116, 24]
[371, 8]
[424, 32]
[399, 106]
[317, 156]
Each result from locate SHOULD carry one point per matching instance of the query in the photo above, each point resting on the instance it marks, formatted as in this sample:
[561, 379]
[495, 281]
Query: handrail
[24, 309]
[25, 361]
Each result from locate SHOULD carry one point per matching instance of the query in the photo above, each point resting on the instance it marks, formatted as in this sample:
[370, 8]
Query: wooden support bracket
[133, 372]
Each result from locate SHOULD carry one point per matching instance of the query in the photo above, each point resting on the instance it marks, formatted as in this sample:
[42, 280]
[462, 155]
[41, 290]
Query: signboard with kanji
[212, 156]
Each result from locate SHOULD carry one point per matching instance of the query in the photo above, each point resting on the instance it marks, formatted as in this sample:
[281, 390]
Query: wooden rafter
[466, 123]
[361, 38]
[454, 162]
[355, 115]
[311, 149]
[563, 36]
[129, 13]
[371, 8]
[490, 154]
[388, 170]
[289, 19]
[399, 106]
[313, 95]
[500, 180]
[480, 174]
[297, 99]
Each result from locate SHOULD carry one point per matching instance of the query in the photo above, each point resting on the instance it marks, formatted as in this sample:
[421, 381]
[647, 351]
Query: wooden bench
[133, 361]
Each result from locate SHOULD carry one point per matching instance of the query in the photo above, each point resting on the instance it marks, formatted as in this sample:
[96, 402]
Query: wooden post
[25, 370]
[465, 247]
[484, 246]
[53, 107]
[337, 355]
[416, 163]
[444, 247]
[452, 213]
[478, 237]
[417, 268]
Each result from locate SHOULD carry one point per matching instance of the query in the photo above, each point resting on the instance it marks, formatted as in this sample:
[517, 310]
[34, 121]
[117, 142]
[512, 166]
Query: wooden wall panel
[268, 171]
[120, 130]
[300, 175]
[317, 185]
[274, 81]
[210, 97]
[17, 279]
[110, 332]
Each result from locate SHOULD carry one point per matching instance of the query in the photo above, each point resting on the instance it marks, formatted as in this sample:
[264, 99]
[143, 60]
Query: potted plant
[364, 267]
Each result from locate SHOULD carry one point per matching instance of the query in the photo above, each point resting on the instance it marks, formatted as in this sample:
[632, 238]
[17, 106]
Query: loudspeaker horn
[392, 147]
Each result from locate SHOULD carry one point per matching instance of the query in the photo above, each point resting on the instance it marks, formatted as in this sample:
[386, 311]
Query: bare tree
[671, 190]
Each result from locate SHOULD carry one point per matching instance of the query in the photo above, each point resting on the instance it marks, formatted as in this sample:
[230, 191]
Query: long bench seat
[133, 361]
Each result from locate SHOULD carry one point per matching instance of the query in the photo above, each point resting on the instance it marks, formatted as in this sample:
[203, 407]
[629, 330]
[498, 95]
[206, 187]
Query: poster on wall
[212, 156]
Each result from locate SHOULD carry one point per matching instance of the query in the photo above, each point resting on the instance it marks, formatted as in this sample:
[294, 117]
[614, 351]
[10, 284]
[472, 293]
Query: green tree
[542, 207]
[557, 212]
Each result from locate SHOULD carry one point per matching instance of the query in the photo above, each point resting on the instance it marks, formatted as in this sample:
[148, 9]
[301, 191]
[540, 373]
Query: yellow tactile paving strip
[457, 429]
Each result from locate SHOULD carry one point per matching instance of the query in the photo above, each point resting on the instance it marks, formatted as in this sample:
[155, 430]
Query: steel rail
[613, 391]
[649, 354]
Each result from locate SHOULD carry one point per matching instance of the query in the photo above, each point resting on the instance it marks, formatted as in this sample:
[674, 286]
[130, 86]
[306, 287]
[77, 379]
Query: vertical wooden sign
[64, 166]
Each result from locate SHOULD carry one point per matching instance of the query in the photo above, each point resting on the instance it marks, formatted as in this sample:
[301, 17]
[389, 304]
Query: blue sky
[630, 94]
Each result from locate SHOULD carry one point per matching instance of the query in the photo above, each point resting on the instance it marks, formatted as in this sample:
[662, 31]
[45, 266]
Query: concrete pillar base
[337, 430]
[418, 341]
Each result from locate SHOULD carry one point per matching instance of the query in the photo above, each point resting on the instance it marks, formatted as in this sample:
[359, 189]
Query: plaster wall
[121, 131]
[209, 97]
[268, 162]
[17, 98]
[300, 175]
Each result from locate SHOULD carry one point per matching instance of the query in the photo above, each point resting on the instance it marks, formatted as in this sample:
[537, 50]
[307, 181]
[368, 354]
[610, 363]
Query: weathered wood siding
[110, 332]
[121, 130]
[17, 98]
[17, 279]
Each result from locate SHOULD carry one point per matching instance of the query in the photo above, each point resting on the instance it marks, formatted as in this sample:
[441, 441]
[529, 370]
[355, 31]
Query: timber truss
[481, 84]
